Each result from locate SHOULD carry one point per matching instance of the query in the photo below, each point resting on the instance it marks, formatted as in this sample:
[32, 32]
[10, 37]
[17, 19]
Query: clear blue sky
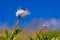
[39, 9]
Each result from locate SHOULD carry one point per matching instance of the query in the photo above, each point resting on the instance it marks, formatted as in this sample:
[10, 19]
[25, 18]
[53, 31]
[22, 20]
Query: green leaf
[17, 31]
[7, 33]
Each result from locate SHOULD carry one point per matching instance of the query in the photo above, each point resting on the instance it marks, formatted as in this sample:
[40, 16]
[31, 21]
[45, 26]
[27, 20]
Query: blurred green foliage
[42, 36]
[10, 35]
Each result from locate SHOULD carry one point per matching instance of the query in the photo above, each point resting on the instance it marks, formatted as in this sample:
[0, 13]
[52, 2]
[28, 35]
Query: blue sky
[39, 9]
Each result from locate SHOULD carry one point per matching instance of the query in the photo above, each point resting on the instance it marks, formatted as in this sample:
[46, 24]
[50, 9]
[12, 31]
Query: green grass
[29, 35]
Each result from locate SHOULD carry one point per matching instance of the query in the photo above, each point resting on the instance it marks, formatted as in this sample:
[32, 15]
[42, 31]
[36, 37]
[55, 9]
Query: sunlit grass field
[32, 35]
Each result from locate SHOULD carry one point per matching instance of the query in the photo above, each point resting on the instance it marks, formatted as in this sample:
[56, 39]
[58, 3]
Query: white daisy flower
[22, 12]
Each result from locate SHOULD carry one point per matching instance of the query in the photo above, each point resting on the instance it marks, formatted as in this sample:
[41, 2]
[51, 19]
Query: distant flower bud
[44, 25]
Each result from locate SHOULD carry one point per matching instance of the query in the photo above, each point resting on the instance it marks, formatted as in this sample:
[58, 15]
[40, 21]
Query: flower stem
[16, 24]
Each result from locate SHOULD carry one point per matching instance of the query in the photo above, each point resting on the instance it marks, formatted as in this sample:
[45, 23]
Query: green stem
[16, 24]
